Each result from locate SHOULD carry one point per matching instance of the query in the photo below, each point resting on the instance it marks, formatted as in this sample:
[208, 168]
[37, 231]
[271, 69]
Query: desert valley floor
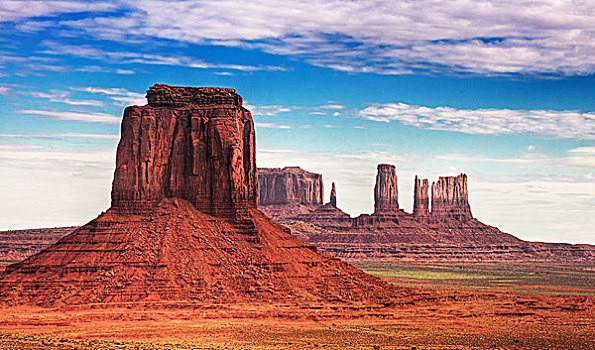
[469, 306]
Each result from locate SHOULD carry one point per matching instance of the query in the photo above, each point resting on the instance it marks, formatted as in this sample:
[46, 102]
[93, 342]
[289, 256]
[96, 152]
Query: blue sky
[503, 91]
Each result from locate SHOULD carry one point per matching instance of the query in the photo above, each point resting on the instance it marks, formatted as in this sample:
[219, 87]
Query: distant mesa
[289, 185]
[183, 225]
[291, 192]
[440, 228]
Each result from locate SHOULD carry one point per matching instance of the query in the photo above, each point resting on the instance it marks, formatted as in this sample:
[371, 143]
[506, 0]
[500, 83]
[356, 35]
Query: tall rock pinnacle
[421, 205]
[385, 191]
[193, 143]
[333, 200]
[450, 197]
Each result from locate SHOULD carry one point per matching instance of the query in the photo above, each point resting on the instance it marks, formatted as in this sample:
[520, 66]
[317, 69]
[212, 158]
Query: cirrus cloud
[489, 121]
[378, 36]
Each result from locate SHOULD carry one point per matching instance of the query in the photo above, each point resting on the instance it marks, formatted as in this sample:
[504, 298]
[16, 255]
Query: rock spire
[385, 191]
[421, 205]
[333, 199]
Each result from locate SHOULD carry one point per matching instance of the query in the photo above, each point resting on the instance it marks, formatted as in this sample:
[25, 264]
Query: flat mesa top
[161, 95]
[288, 169]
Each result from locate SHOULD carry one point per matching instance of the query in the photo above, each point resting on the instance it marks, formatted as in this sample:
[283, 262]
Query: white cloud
[101, 118]
[121, 96]
[62, 135]
[124, 71]
[270, 110]
[42, 188]
[12, 10]
[540, 123]
[121, 57]
[4, 90]
[272, 125]
[274, 110]
[381, 36]
[64, 97]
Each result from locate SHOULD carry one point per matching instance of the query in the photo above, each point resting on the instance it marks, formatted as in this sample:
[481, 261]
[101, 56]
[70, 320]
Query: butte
[183, 224]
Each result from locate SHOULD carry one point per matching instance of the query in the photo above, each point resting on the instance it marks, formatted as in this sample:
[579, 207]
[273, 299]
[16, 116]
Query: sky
[503, 91]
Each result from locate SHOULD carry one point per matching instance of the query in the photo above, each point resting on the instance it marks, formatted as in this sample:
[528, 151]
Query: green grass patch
[501, 276]
[8, 262]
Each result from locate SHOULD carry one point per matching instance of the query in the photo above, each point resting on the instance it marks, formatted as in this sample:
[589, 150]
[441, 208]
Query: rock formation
[448, 233]
[421, 203]
[289, 185]
[450, 198]
[197, 144]
[183, 228]
[333, 200]
[385, 191]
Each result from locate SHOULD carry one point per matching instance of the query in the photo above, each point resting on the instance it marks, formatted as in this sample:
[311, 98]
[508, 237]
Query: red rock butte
[183, 226]
[196, 144]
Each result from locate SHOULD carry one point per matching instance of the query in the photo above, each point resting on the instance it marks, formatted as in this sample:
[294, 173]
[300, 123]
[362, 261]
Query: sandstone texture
[289, 185]
[197, 144]
[183, 227]
[385, 191]
[450, 197]
[421, 202]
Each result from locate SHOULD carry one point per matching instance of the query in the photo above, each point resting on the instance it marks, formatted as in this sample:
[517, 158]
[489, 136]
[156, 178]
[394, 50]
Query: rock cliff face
[450, 198]
[197, 144]
[421, 203]
[289, 185]
[333, 200]
[385, 191]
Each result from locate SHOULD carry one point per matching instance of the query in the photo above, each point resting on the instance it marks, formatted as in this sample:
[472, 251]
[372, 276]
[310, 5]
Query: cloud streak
[62, 135]
[127, 58]
[379, 36]
[540, 123]
[100, 118]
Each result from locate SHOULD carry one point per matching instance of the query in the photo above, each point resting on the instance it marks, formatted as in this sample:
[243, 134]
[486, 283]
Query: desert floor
[468, 306]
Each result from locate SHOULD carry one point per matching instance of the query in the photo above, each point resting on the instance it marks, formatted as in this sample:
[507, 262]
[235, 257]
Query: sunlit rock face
[193, 143]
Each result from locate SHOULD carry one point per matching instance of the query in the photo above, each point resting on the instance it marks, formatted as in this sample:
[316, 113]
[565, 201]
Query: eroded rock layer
[177, 253]
[183, 227]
